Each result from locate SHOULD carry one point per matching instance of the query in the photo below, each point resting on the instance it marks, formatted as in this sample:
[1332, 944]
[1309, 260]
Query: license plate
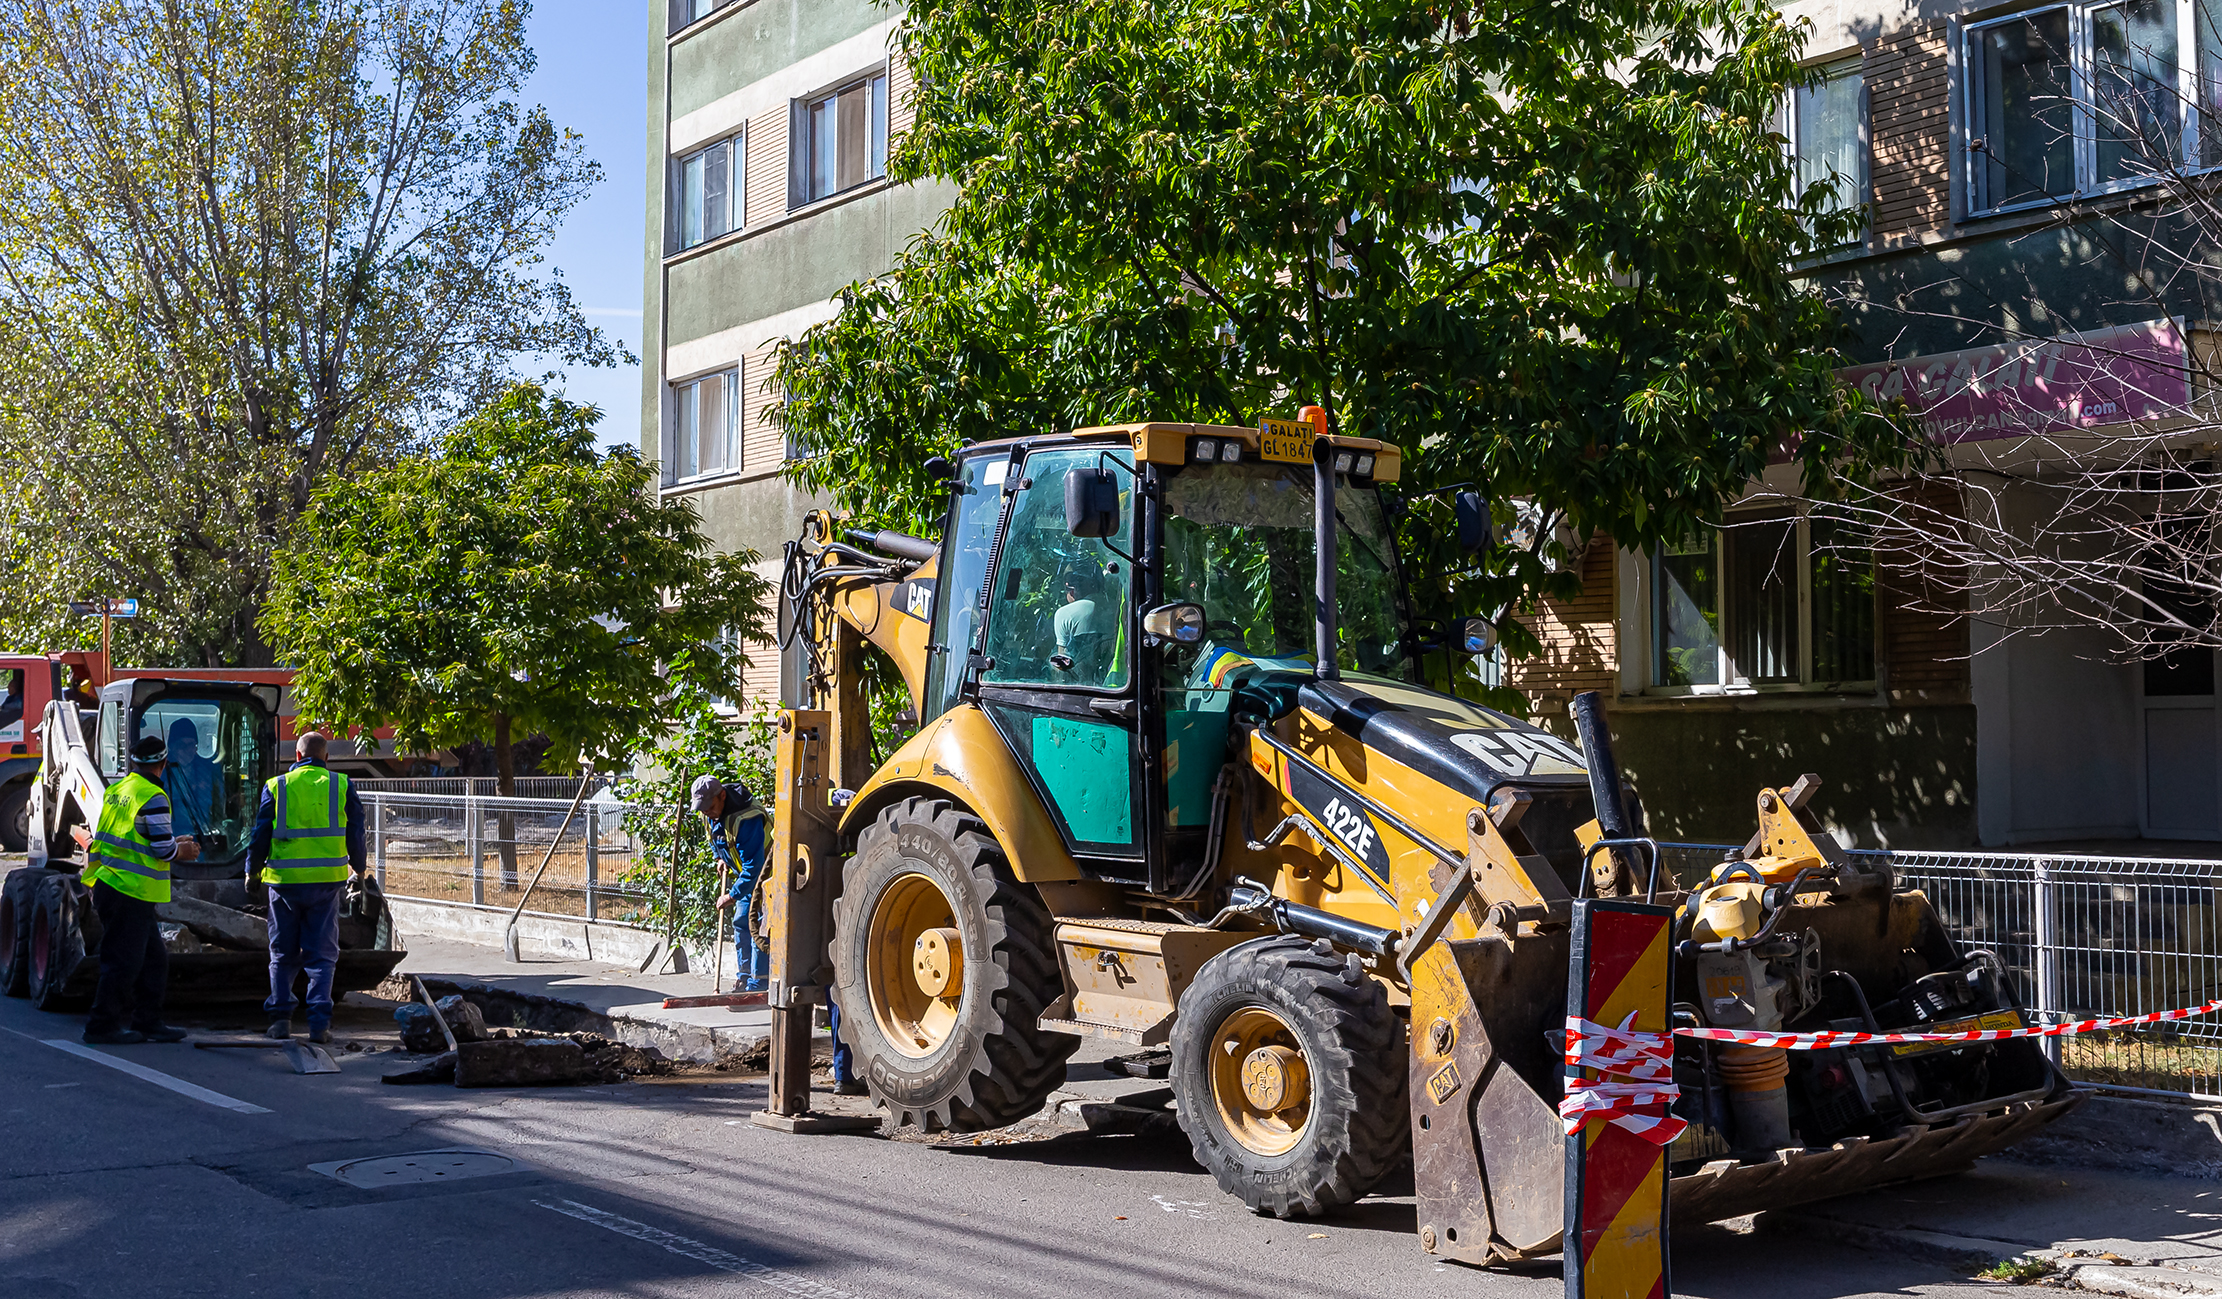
[1997, 1019]
[1288, 441]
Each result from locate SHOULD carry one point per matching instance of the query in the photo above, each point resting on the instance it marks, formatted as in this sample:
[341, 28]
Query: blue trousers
[304, 935]
[844, 1068]
[752, 965]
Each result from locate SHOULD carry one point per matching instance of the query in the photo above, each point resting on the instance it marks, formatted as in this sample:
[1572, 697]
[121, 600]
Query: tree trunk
[505, 784]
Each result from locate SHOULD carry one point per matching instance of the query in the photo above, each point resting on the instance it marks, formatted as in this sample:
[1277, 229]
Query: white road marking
[155, 1076]
[699, 1252]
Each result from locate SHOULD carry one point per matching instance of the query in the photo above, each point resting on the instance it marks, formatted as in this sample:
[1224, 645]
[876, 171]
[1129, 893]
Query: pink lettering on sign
[2041, 385]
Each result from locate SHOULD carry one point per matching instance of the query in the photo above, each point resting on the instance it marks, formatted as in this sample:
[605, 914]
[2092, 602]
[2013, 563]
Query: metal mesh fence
[485, 850]
[2085, 938]
[562, 787]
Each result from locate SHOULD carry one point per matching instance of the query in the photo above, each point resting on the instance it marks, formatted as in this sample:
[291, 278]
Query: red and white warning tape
[1823, 1041]
[1636, 1083]
[1635, 1069]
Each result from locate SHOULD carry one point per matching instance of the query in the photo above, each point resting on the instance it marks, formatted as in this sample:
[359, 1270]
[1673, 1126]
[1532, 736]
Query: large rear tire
[18, 900]
[1289, 1068]
[943, 962]
[15, 817]
[57, 943]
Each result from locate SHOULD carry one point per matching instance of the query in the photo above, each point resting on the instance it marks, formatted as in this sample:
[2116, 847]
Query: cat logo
[1522, 752]
[920, 602]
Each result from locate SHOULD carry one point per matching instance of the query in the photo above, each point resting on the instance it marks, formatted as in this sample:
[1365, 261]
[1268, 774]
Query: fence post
[2048, 954]
[473, 820]
[378, 837]
[593, 859]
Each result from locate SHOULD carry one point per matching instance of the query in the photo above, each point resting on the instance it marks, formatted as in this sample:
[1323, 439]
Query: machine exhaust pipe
[1604, 775]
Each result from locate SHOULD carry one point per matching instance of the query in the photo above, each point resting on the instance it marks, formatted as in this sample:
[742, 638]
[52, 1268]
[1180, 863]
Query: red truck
[28, 682]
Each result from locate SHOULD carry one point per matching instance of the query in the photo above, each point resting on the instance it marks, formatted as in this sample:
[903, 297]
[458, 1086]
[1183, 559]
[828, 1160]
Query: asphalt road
[114, 1184]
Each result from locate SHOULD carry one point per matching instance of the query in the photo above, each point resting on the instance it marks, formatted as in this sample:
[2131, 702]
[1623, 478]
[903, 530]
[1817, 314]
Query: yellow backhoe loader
[1174, 785]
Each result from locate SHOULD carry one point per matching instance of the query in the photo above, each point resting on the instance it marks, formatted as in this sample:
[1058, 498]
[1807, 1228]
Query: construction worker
[737, 825]
[308, 833]
[128, 856]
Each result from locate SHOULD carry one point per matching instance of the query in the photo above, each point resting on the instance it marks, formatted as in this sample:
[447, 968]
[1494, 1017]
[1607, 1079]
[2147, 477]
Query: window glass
[964, 563]
[1686, 613]
[1762, 571]
[1843, 585]
[216, 756]
[2135, 105]
[848, 137]
[707, 429]
[684, 12]
[1239, 540]
[1060, 613]
[2206, 22]
[2025, 115]
[1825, 122]
[706, 189]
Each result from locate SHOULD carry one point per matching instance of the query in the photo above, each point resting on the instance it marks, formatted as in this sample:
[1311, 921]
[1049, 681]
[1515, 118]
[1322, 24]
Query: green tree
[671, 835]
[247, 247]
[1546, 249]
[517, 582]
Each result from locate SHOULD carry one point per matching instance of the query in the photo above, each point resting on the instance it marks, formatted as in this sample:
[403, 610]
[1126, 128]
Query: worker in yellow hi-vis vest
[308, 835]
[128, 855]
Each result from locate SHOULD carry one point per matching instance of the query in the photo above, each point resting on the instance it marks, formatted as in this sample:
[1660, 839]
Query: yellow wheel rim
[911, 947]
[1260, 1081]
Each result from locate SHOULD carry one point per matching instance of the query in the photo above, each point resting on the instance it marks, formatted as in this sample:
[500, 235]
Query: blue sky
[593, 78]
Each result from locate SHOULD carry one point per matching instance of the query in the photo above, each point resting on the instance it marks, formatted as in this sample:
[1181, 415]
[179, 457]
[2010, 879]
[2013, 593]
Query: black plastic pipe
[1323, 564]
[1604, 771]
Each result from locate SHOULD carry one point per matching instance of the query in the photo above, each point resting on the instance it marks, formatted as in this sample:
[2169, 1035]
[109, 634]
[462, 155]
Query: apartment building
[769, 127]
[2002, 152]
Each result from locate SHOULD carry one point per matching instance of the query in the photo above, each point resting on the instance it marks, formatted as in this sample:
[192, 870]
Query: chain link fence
[483, 850]
[2085, 938]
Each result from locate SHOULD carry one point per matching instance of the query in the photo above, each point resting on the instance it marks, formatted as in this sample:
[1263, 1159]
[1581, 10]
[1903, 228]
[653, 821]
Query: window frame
[1974, 177]
[676, 426]
[676, 24]
[802, 149]
[736, 205]
[1732, 681]
[1863, 181]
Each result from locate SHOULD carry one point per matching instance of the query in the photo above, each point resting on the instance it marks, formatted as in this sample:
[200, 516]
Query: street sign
[112, 608]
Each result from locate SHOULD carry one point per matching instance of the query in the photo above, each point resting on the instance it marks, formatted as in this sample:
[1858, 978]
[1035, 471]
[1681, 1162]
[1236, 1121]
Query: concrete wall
[1890, 777]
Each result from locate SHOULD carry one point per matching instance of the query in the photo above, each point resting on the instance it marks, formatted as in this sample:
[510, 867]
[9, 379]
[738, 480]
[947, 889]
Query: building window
[2079, 99]
[1827, 121]
[706, 183]
[1768, 601]
[686, 12]
[706, 428]
[840, 140]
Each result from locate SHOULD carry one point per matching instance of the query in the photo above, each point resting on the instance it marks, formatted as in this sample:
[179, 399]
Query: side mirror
[1091, 503]
[1477, 635]
[1182, 623]
[1475, 528]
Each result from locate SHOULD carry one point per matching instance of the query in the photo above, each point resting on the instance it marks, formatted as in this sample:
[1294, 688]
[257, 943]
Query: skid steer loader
[213, 929]
[1174, 786]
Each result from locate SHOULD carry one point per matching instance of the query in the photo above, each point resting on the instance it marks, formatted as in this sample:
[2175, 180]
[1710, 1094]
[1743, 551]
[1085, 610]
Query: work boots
[281, 1029]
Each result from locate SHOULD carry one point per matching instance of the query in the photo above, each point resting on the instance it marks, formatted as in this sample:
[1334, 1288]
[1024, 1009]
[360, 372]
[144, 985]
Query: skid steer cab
[223, 744]
[1176, 785]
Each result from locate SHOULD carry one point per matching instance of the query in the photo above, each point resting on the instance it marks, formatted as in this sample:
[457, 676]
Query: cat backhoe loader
[1175, 785]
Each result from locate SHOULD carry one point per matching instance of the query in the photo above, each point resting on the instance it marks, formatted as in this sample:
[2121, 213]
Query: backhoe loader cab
[1176, 785]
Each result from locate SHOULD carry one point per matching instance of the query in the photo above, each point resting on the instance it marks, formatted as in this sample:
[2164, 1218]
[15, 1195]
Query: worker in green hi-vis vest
[128, 855]
[308, 835]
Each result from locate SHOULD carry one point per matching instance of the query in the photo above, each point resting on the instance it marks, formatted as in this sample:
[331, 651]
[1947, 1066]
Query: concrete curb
[2144, 1282]
[697, 1044]
[564, 937]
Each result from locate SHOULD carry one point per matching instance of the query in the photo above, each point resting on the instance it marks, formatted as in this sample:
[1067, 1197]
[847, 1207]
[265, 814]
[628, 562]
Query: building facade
[769, 127]
[2007, 156]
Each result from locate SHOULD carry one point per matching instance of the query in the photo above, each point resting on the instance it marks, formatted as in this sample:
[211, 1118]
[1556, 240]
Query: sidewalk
[616, 1001]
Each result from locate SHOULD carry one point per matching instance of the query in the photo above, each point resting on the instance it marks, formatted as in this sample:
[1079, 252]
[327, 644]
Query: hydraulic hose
[1309, 922]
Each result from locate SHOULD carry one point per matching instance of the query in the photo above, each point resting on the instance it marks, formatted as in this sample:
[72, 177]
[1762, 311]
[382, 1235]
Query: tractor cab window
[1239, 542]
[1060, 608]
[976, 505]
[218, 752]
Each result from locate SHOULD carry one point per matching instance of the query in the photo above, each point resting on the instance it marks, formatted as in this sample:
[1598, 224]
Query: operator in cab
[128, 856]
[1079, 640]
[308, 834]
[11, 704]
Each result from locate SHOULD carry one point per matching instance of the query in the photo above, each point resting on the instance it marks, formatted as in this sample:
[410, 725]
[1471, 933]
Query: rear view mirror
[1091, 503]
[1183, 623]
[1477, 635]
[1475, 528]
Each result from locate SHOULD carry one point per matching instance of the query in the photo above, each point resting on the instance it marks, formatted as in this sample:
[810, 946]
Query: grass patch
[2019, 1271]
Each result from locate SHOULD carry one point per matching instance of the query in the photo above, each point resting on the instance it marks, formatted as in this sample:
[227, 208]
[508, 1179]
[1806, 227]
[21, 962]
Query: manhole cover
[424, 1166]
